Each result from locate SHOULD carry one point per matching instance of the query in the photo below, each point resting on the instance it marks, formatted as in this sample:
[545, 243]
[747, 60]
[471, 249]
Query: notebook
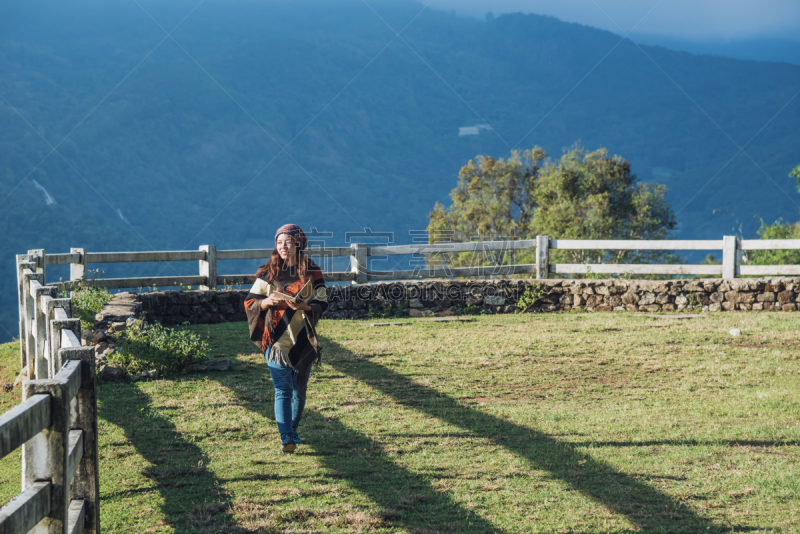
[302, 295]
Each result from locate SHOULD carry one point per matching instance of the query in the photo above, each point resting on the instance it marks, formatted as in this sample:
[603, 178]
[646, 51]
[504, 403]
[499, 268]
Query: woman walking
[284, 329]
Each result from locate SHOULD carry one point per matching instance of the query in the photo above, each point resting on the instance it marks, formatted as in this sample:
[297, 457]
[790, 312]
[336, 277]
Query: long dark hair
[273, 268]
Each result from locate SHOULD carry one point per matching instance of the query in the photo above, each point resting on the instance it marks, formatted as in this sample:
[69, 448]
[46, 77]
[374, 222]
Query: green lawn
[518, 423]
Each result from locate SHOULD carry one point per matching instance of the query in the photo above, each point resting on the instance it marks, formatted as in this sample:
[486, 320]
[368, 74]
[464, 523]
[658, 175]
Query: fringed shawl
[291, 334]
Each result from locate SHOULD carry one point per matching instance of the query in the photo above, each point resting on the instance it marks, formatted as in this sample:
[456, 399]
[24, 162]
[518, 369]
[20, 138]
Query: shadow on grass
[644, 506]
[690, 443]
[407, 500]
[656, 443]
[194, 501]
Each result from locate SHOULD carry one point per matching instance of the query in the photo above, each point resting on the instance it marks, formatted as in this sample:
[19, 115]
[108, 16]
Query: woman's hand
[271, 300]
[300, 305]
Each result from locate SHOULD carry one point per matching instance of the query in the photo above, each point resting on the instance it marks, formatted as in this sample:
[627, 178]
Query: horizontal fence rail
[259, 254]
[631, 244]
[435, 259]
[612, 268]
[56, 423]
[448, 272]
[767, 270]
[474, 246]
[769, 244]
[28, 508]
[22, 422]
[133, 257]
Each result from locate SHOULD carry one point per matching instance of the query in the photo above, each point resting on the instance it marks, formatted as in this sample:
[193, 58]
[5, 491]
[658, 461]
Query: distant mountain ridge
[757, 48]
[373, 121]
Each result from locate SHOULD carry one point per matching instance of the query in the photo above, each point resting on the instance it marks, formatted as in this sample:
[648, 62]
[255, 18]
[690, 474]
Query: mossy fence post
[56, 423]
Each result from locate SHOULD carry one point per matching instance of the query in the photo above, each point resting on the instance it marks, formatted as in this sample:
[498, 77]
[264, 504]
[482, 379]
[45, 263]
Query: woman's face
[285, 246]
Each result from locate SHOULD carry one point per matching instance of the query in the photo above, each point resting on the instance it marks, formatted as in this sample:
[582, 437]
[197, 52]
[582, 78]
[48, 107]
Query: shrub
[399, 308]
[471, 309]
[143, 347]
[382, 310]
[533, 293]
[88, 300]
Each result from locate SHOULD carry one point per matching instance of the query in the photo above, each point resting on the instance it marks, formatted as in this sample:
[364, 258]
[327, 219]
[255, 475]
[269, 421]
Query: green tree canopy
[778, 230]
[494, 199]
[589, 195]
[584, 195]
[796, 174]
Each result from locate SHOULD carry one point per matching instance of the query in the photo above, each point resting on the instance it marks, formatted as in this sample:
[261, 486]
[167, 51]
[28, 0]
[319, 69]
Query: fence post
[542, 256]
[83, 415]
[358, 262]
[30, 317]
[44, 457]
[729, 257]
[208, 267]
[58, 322]
[38, 255]
[23, 332]
[77, 271]
[40, 320]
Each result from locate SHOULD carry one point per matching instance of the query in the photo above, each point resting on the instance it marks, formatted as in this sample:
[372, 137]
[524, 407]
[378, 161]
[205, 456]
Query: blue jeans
[290, 399]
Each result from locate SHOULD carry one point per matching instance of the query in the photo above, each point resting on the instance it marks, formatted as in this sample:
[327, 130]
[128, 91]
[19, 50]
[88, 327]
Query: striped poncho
[291, 334]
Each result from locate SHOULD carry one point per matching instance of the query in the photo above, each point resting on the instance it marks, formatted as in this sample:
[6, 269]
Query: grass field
[519, 423]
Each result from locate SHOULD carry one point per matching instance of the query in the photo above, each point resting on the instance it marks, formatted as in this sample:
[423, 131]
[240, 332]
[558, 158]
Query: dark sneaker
[288, 447]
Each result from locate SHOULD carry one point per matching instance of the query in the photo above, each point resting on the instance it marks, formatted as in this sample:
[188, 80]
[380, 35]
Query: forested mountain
[760, 48]
[171, 144]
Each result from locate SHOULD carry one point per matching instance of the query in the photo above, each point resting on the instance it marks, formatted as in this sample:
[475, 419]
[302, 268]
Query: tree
[493, 200]
[778, 230]
[589, 195]
[584, 195]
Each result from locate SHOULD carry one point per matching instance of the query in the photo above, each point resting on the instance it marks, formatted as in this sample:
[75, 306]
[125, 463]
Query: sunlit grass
[525, 423]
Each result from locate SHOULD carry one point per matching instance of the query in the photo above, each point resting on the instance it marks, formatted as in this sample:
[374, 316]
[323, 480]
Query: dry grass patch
[359, 520]
[255, 516]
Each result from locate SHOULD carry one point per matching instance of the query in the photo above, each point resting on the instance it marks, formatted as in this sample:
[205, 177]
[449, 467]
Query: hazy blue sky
[693, 19]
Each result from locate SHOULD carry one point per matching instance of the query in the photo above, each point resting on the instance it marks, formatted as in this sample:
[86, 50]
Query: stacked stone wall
[201, 307]
[452, 297]
[503, 296]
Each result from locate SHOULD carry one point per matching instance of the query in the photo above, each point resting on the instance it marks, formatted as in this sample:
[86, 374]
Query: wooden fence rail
[56, 423]
[208, 256]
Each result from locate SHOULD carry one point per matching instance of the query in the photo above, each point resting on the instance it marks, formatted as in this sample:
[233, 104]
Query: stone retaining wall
[453, 297]
[176, 307]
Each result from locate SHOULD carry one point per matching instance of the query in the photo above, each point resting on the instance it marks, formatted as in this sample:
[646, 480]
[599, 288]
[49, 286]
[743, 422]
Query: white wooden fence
[56, 423]
[208, 276]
